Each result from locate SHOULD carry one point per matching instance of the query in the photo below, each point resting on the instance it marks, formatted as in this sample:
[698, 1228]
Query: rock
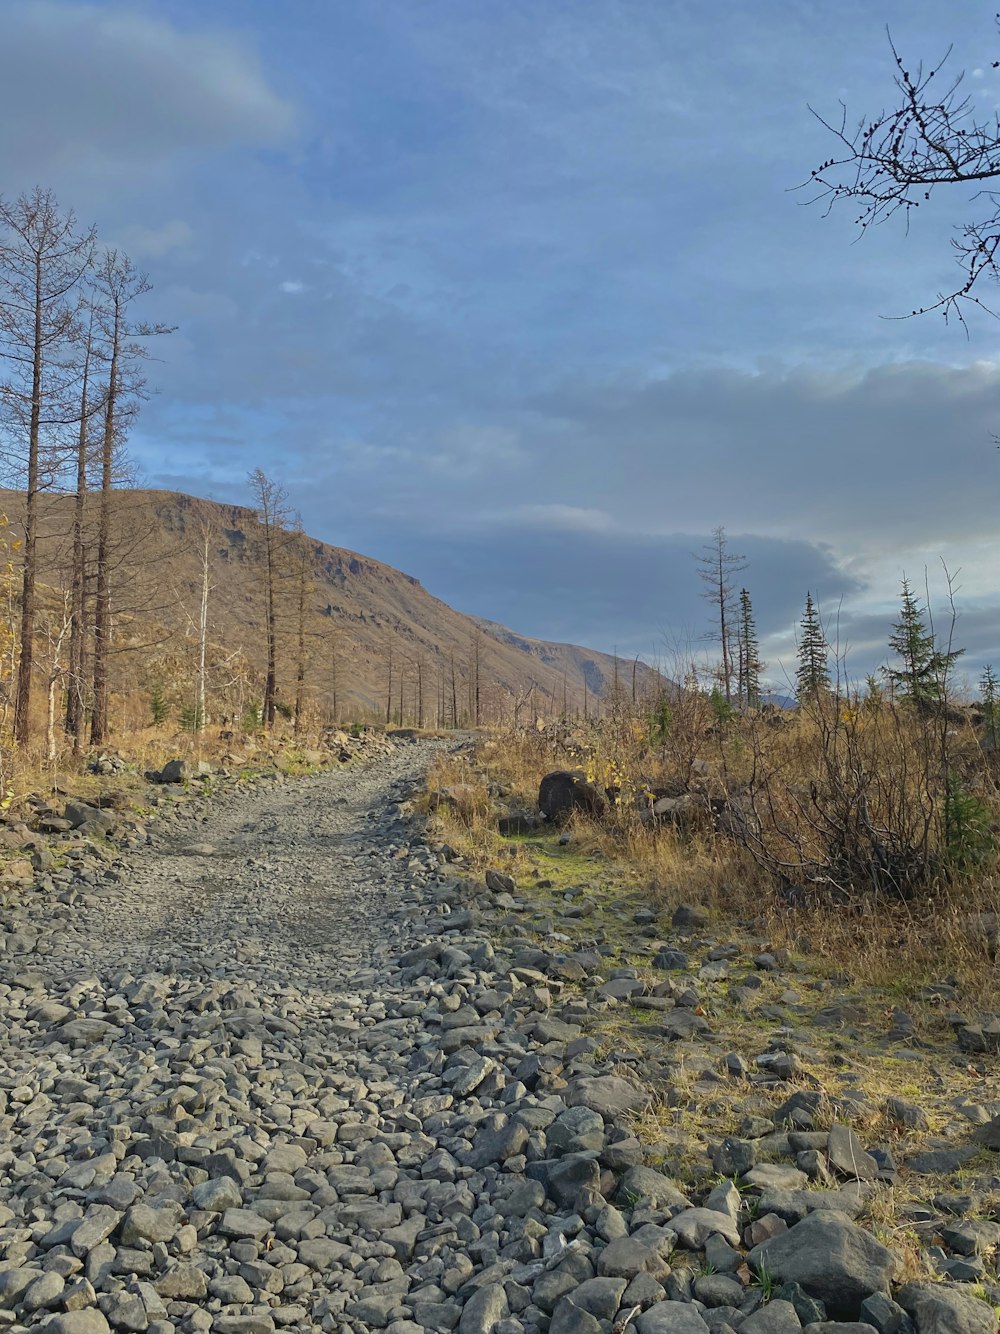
[671, 1318]
[484, 1310]
[563, 792]
[608, 1094]
[690, 915]
[185, 1282]
[91, 1321]
[885, 1315]
[943, 1308]
[568, 1318]
[217, 1194]
[653, 1188]
[989, 1135]
[831, 1258]
[907, 1114]
[625, 1257]
[499, 883]
[240, 1223]
[848, 1155]
[695, 1226]
[777, 1317]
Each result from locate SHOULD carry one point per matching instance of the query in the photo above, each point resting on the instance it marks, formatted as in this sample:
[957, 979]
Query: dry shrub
[866, 800]
[863, 832]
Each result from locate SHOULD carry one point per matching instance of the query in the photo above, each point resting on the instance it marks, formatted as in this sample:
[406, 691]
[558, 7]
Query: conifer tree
[750, 664]
[812, 676]
[923, 671]
[990, 691]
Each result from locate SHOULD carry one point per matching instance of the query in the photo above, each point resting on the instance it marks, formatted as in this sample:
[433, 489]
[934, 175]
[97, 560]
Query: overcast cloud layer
[517, 297]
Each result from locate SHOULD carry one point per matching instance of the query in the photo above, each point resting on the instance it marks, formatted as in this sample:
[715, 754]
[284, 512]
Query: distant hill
[359, 614]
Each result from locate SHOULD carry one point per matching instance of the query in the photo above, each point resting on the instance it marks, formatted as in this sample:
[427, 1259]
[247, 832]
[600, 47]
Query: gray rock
[91, 1321]
[671, 1318]
[831, 1258]
[568, 1318]
[848, 1155]
[599, 1297]
[643, 1183]
[777, 1317]
[885, 1315]
[943, 1308]
[217, 1194]
[607, 1094]
[484, 1310]
[695, 1226]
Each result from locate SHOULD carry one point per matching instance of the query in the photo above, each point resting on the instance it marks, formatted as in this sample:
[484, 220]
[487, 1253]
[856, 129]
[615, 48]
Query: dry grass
[875, 940]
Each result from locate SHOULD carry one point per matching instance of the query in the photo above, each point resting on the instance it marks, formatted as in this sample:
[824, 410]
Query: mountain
[360, 616]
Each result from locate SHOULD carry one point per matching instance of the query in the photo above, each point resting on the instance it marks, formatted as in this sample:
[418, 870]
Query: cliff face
[359, 613]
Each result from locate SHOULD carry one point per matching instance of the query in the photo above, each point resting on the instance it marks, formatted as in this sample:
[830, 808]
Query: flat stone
[243, 1223]
[848, 1155]
[607, 1094]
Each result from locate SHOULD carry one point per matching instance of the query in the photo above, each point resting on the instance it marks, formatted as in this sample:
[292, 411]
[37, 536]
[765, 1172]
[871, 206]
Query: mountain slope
[363, 621]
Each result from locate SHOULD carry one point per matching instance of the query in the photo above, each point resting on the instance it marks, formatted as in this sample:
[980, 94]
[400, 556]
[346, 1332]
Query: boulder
[565, 791]
[830, 1258]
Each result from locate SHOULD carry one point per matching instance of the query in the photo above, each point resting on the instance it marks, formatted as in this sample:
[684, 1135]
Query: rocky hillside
[361, 615]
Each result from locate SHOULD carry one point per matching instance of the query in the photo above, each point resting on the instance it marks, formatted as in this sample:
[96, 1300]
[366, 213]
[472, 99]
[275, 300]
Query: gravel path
[286, 1069]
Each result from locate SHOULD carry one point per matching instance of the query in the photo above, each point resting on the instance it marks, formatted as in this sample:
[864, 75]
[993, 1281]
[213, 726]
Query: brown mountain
[360, 616]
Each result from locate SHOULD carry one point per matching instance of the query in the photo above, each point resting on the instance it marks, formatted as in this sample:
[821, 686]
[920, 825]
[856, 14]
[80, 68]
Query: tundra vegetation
[865, 817]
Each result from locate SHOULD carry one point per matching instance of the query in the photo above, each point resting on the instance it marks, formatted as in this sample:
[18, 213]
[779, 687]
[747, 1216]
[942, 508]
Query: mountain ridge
[378, 642]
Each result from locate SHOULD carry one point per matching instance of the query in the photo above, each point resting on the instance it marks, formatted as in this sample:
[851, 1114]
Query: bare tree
[200, 709]
[718, 565]
[894, 161]
[274, 516]
[117, 284]
[43, 257]
[303, 588]
[78, 573]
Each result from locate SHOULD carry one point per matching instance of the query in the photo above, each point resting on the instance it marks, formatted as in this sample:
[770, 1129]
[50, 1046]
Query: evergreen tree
[990, 690]
[923, 671]
[813, 673]
[750, 665]
[158, 707]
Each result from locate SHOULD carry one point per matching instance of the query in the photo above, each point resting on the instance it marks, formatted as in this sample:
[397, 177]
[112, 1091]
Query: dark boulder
[565, 791]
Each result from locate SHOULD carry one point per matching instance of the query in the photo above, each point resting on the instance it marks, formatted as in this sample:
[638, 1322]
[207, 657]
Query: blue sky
[520, 297]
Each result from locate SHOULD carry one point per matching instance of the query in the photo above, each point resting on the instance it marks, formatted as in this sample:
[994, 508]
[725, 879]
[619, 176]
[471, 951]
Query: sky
[522, 298]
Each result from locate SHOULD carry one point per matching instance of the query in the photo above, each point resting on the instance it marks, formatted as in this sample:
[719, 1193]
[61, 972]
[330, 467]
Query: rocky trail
[289, 1067]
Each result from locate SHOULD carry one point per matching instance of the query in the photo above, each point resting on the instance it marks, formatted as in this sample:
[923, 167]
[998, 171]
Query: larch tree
[43, 259]
[274, 517]
[897, 160]
[812, 677]
[89, 406]
[718, 566]
[116, 284]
